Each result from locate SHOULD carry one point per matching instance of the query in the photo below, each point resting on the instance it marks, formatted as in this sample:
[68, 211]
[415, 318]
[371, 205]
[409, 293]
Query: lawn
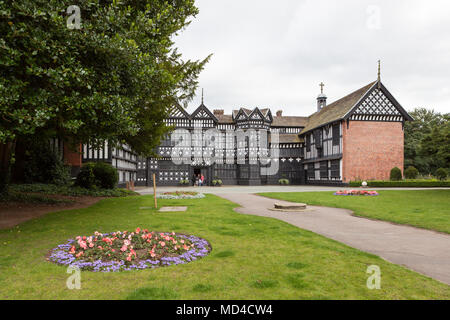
[252, 258]
[429, 209]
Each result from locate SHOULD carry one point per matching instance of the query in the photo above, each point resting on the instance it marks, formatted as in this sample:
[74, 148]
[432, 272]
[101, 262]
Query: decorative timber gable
[241, 115]
[256, 115]
[178, 112]
[378, 105]
[203, 113]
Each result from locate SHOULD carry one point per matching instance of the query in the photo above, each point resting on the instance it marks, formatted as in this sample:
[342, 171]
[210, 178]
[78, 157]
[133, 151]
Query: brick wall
[72, 155]
[371, 149]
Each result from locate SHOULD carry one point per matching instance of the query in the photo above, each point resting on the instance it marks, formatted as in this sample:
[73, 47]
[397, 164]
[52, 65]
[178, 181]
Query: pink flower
[124, 248]
[138, 230]
[83, 245]
[91, 245]
[162, 243]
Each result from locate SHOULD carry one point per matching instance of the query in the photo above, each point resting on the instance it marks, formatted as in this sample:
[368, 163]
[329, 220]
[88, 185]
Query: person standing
[202, 179]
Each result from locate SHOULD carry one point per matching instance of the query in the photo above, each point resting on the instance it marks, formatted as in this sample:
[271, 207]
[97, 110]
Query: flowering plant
[355, 193]
[125, 250]
[180, 195]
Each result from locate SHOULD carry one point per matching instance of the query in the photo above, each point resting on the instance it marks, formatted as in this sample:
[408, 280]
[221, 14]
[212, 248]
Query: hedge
[403, 183]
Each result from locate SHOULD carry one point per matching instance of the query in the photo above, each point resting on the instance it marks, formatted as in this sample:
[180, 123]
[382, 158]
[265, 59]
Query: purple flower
[60, 255]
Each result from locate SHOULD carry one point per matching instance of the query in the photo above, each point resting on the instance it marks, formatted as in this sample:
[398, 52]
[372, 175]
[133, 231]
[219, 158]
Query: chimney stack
[279, 113]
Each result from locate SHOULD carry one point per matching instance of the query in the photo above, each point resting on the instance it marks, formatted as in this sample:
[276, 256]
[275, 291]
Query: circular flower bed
[180, 195]
[355, 193]
[122, 251]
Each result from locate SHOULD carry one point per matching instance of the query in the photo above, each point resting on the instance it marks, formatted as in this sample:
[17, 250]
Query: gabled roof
[346, 106]
[241, 114]
[257, 114]
[336, 110]
[202, 112]
[388, 99]
[179, 112]
[268, 114]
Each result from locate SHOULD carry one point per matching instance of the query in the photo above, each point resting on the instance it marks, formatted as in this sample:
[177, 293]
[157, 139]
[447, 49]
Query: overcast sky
[275, 53]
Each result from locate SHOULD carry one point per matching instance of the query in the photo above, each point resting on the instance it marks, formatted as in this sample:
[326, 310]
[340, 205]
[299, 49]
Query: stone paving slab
[172, 209]
[424, 251]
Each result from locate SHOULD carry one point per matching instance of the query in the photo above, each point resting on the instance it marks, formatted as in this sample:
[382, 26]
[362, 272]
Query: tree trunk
[6, 152]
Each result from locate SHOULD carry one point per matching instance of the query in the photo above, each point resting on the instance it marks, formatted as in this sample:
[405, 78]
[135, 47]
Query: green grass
[252, 258]
[429, 209]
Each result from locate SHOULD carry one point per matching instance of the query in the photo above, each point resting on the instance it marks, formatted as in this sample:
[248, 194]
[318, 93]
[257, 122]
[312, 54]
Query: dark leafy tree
[441, 174]
[114, 79]
[427, 140]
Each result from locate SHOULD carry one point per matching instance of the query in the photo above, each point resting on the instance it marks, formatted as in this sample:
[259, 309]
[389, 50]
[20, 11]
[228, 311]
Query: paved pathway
[424, 251]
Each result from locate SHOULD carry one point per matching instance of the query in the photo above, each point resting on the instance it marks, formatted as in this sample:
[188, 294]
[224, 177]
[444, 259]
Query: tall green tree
[435, 146]
[113, 79]
[426, 140]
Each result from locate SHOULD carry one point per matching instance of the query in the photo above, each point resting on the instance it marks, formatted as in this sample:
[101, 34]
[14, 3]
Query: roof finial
[321, 87]
[379, 74]
[202, 95]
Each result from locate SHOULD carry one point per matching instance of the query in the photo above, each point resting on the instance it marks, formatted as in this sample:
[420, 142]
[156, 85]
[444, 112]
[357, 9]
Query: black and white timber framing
[310, 148]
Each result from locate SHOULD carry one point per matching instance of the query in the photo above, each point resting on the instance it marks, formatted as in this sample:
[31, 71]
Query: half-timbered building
[359, 136]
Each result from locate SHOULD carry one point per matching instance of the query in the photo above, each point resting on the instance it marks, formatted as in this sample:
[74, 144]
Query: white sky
[275, 53]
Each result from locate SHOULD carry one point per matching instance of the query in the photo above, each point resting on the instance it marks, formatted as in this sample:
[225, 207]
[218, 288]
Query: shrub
[396, 174]
[283, 181]
[86, 177]
[411, 173]
[106, 176]
[217, 182]
[441, 174]
[44, 165]
[97, 175]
